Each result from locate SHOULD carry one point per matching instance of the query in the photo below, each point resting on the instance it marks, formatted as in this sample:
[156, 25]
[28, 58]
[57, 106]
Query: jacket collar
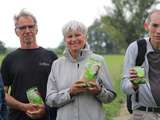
[82, 53]
[149, 46]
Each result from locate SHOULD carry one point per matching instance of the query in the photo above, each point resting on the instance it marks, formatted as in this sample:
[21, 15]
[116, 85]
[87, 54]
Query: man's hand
[32, 110]
[133, 77]
[28, 107]
[38, 112]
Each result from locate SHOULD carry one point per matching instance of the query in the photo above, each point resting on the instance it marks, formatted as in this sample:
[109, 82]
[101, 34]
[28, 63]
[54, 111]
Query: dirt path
[123, 115]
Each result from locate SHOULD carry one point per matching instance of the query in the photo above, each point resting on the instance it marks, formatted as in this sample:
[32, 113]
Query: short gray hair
[148, 19]
[24, 13]
[74, 25]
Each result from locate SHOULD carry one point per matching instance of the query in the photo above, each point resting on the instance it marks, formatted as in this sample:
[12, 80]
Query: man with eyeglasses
[24, 68]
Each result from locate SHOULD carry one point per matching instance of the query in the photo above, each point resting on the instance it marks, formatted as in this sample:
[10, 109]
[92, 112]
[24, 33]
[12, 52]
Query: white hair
[24, 13]
[148, 19]
[74, 26]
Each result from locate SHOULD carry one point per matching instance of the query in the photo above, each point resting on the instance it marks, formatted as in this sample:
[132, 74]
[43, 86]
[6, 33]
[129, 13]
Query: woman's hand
[94, 88]
[78, 87]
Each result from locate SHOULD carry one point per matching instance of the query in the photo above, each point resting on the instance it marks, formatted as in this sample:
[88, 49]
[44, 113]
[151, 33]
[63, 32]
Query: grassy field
[1, 57]
[115, 64]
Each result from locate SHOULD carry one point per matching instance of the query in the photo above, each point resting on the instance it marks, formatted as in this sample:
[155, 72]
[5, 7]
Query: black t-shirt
[23, 69]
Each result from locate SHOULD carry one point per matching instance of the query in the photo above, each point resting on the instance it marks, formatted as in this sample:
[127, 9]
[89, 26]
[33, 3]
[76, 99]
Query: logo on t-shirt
[44, 64]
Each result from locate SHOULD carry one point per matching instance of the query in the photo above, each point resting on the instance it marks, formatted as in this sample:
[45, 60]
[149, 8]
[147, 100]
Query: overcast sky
[51, 16]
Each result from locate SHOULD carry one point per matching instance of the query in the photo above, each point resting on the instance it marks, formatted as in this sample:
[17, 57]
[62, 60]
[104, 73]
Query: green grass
[115, 64]
[1, 57]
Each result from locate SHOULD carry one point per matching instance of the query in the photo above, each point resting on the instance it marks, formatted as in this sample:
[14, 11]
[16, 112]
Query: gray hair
[74, 26]
[148, 19]
[24, 13]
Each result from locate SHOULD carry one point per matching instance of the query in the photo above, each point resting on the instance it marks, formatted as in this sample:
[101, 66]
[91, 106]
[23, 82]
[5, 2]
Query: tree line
[117, 28]
[122, 24]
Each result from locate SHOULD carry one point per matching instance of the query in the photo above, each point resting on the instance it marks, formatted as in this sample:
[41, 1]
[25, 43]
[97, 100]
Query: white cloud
[51, 16]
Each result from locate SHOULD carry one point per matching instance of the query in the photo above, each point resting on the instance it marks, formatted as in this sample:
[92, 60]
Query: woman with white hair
[75, 98]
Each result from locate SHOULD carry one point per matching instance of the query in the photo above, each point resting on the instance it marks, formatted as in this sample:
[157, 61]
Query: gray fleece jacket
[64, 72]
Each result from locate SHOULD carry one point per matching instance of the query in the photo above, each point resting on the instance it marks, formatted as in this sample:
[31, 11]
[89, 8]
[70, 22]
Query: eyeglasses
[24, 27]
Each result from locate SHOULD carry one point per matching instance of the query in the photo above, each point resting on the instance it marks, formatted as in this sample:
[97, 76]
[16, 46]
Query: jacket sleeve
[2, 94]
[54, 97]
[1, 97]
[129, 62]
[107, 93]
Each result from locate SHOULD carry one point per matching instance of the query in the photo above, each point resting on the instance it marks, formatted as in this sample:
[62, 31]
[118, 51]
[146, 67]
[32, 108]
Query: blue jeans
[4, 115]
